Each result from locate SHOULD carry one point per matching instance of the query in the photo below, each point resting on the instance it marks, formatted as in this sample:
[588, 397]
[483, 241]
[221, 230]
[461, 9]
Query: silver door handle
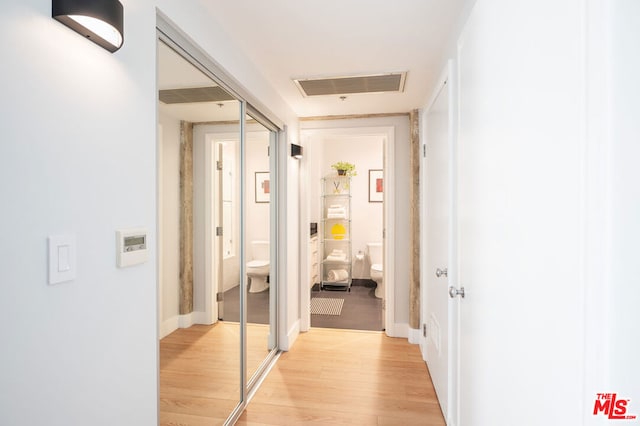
[441, 272]
[453, 292]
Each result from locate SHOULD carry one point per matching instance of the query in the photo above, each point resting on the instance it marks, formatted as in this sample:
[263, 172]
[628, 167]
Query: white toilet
[374, 251]
[258, 267]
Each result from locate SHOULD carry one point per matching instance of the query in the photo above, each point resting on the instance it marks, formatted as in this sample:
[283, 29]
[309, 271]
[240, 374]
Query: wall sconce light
[296, 151]
[101, 21]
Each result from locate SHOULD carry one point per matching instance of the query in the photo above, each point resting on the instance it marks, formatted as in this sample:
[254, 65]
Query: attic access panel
[378, 83]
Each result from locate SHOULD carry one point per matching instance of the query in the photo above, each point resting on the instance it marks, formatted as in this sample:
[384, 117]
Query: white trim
[210, 256]
[304, 240]
[398, 330]
[168, 326]
[196, 317]
[389, 233]
[285, 337]
[286, 340]
[414, 335]
[183, 321]
[159, 226]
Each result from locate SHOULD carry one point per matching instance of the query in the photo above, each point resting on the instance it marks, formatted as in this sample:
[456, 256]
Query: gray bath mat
[326, 306]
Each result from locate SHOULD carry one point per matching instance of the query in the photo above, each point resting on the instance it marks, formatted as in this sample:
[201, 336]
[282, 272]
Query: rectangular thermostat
[131, 246]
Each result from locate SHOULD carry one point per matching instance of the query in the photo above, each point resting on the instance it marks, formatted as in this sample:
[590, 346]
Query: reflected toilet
[258, 266]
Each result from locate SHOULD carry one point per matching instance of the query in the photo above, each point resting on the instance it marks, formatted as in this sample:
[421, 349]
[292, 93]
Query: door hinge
[424, 150]
[218, 165]
[219, 297]
[218, 231]
[424, 330]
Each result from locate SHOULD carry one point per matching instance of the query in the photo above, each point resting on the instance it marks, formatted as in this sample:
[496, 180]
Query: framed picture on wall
[263, 191]
[376, 183]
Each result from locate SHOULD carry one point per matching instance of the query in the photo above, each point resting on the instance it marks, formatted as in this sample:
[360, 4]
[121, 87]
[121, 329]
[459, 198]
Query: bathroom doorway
[361, 306]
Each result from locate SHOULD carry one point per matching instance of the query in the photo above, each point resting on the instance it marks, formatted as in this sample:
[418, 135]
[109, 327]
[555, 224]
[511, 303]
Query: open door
[219, 216]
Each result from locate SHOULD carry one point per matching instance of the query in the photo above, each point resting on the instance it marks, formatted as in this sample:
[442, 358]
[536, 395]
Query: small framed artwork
[376, 183]
[263, 191]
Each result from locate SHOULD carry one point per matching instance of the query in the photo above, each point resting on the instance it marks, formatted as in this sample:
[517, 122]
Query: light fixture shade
[296, 151]
[101, 21]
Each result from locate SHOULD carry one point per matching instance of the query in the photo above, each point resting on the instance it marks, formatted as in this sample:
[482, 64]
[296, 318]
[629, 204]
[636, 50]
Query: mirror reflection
[216, 245]
[200, 347]
[259, 244]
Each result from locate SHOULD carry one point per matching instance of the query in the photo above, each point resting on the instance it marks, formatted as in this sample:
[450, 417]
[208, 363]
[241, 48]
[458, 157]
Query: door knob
[453, 292]
[441, 272]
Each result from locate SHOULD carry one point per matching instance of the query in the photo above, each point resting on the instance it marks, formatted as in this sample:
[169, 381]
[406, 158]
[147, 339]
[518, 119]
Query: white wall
[79, 157]
[257, 213]
[401, 204]
[366, 152]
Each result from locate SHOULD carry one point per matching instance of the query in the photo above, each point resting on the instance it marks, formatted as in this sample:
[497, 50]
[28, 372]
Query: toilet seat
[257, 263]
[376, 267]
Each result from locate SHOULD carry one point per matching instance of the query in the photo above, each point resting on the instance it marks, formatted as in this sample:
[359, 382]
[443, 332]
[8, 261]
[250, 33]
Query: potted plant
[344, 168]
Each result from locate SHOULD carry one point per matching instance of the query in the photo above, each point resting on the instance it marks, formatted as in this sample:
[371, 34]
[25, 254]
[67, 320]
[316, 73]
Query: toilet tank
[260, 250]
[375, 253]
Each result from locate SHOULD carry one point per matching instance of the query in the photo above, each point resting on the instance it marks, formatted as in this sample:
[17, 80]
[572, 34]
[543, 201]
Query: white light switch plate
[62, 258]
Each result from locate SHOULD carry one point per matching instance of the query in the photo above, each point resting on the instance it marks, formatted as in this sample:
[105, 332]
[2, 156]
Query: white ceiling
[289, 39]
[174, 72]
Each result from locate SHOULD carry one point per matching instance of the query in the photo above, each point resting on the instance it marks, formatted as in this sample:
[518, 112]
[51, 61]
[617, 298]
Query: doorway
[365, 304]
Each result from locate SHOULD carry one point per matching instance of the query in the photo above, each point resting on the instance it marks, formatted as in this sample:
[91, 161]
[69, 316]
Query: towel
[336, 216]
[338, 275]
[337, 257]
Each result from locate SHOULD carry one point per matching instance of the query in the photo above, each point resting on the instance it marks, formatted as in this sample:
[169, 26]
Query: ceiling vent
[376, 83]
[193, 95]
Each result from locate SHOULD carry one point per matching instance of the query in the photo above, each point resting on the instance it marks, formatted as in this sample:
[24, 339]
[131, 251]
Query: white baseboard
[168, 326]
[292, 334]
[183, 321]
[414, 336]
[398, 330]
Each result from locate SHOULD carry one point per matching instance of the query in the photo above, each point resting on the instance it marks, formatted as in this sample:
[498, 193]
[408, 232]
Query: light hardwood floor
[330, 377]
[339, 377]
[200, 372]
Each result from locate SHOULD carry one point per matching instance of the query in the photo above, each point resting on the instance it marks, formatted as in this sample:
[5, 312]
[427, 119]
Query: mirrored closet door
[217, 239]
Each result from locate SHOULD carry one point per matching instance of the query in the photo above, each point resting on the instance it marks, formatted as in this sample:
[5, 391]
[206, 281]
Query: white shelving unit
[335, 234]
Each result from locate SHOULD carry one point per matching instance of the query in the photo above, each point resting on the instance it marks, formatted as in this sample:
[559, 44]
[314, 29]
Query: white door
[438, 258]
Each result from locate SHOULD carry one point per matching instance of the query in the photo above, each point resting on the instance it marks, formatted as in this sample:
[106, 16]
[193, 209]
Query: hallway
[333, 377]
